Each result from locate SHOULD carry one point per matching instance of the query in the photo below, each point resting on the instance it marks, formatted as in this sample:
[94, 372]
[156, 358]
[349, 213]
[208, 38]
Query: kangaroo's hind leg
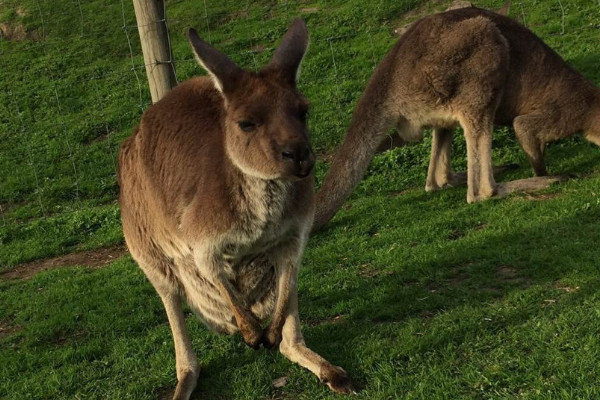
[440, 174]
[185, 359]
[478, 130]
[294, 348]
[186, 362]
[593, 132]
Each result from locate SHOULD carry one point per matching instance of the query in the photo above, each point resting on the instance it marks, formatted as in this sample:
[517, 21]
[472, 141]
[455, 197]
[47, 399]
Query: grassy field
[416, 295]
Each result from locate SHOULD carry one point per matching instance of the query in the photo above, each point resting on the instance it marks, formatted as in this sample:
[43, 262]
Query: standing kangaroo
[217, 201]
[473, 68]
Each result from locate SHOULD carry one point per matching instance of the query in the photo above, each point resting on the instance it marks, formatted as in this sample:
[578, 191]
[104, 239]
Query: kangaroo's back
[175, 157]
[537, 74]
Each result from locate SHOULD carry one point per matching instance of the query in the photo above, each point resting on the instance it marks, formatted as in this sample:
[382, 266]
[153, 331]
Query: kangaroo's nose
[297, 154]
[300, 158]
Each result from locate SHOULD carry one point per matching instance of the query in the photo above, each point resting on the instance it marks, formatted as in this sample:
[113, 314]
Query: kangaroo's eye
[247, 126]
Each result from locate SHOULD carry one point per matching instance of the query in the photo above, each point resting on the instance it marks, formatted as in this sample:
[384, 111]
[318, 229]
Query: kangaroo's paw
[251, 333]
[271, 337]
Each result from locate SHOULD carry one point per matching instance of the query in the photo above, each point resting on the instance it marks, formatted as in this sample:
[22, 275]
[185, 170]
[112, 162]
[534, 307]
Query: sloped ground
[416, 295]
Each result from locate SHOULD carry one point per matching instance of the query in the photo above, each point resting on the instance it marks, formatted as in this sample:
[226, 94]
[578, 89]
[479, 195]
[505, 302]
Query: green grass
[416, 295]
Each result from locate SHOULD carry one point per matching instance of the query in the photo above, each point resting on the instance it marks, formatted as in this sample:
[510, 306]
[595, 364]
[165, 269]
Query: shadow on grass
[477, 273]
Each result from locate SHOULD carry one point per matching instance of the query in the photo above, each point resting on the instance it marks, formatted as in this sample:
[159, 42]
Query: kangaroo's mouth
[304, 168]
[303, 174]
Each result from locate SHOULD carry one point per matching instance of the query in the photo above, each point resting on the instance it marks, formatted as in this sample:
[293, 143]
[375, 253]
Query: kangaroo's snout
[299, 157]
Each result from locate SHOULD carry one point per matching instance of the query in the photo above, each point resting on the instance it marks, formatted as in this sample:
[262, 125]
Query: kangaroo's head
[265, 115]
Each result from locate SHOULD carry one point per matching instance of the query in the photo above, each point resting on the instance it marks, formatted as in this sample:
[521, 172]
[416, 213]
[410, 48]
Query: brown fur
[458, 4]
[467, 67]
[217, 201]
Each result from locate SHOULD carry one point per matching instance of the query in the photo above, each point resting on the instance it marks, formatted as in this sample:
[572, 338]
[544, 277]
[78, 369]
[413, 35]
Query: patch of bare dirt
[6, 208]
[258, 48]
[63, 338]
[16, 32]
[368, 271]
[506, 273]
[326, 156]
[280, 395]
[332, 320]
[90, 258]
[237, 15]
[540, 196]
[21, 12]
[398, 193]
[101, 137]
[7, 328]
[459, 4]
[309, 10]
[566, 288]
[458, 278]
[427, 314]
[455, 235]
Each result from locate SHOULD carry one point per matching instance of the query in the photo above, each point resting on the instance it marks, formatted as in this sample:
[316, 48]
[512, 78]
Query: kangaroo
[217, 201]
[473, 68]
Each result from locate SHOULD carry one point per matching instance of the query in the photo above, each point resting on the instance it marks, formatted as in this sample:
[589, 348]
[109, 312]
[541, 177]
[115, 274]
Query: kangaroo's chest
[250, 269]
[244, 257]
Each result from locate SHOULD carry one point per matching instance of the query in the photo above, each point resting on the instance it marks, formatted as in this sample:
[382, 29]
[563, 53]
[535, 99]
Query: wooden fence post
[150, 16]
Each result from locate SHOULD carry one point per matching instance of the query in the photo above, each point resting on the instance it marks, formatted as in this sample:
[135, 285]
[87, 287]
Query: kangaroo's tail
[348, 167]
[373, 117]
[364, 138]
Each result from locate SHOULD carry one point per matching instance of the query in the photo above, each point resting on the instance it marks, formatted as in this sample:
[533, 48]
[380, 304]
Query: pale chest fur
[262, 217]
[242, 255]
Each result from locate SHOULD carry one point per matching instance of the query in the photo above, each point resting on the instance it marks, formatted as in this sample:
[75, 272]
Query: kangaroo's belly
[254, 279]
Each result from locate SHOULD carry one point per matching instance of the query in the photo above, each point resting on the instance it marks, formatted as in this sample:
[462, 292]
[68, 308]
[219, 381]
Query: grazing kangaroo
[473, 68]
[217, 201]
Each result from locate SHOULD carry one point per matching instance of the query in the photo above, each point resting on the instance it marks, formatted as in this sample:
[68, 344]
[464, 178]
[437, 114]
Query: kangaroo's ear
[289, 54]
[221, 69]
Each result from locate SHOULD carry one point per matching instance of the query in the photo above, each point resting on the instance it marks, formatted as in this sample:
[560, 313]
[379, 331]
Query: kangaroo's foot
[528, 185]
[460, 178]
[453, 179]
[336, 378]
[457, 179]
[186, 384]
[294, 349]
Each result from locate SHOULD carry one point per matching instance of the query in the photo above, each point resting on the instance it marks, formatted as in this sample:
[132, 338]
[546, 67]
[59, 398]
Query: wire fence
[73, 87]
